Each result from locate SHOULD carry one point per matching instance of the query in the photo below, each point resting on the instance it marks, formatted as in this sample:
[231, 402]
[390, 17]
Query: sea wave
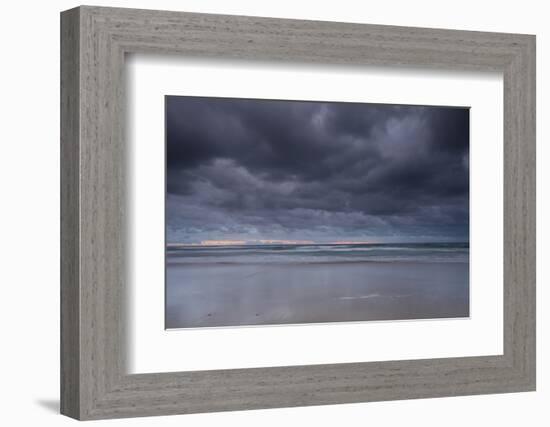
[323, 253]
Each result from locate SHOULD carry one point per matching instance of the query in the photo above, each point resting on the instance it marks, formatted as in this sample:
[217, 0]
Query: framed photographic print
[300, 212]
[261, 213]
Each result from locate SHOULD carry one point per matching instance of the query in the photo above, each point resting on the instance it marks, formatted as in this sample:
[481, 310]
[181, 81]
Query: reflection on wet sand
[218, 294]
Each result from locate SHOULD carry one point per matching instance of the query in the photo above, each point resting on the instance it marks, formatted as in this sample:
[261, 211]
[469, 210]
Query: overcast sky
[245, 169]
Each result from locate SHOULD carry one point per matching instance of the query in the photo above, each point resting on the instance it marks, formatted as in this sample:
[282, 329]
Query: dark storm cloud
[258, 169]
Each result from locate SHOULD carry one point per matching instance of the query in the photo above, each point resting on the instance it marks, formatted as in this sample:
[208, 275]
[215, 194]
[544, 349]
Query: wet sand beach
[234, 294]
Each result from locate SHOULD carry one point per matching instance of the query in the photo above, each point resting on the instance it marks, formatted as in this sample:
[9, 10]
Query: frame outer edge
[520, 216]
[70, 396]
[532, 136]
[528, 169]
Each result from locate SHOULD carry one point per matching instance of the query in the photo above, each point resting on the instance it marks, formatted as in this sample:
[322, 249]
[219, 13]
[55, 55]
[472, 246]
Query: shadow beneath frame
[52, 405]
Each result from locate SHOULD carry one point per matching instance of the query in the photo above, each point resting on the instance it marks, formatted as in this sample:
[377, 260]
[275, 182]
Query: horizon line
[210, 243]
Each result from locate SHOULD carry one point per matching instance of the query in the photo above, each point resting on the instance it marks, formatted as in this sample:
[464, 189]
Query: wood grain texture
[70, 292]
[94, 381]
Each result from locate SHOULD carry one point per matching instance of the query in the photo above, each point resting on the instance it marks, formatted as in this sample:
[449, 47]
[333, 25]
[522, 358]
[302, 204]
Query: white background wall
[29, 224]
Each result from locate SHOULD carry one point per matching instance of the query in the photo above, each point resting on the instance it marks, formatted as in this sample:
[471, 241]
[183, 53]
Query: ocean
[270, 284]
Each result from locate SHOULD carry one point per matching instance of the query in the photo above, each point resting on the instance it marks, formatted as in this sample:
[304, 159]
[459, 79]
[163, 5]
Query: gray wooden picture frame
[94, 381]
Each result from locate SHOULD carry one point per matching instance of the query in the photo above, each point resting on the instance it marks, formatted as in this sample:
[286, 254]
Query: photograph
[284, 212]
